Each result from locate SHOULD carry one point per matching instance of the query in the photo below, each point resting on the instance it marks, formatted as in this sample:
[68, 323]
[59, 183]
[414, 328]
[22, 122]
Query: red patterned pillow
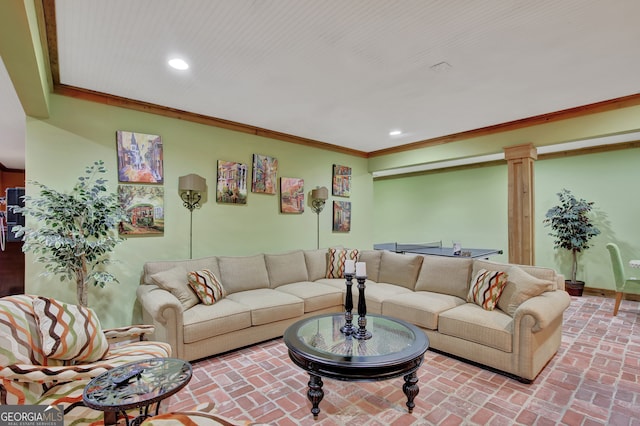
[337, 256]
[207, 286]
[486, 288]
[69, 332]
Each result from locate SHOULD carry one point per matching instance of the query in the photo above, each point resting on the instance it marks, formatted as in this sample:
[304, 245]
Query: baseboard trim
[591, 291]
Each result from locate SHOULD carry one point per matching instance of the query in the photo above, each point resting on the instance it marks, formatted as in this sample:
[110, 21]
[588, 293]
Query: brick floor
[594, 379]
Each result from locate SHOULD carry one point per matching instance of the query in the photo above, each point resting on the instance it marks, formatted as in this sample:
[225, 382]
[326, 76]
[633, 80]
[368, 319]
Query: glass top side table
[138, 384]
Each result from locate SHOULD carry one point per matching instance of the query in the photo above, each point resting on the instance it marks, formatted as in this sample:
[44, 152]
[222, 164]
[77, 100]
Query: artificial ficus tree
[76, 231]
[571, 226]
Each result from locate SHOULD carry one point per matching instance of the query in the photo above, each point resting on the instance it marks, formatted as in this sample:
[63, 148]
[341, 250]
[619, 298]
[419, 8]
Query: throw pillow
[337, 256]
[207, 286]
[175, 281]
[520, 287]
[69, 332]
[486, 288]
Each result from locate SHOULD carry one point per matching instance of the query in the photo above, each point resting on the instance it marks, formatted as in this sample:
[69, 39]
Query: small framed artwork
[140, 157]
[265, 170]
[232, 183]
[143, 206]
[341, 181]
[342, 216]
[291, 195]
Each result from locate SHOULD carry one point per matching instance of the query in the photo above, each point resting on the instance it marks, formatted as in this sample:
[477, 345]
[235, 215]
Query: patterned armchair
[49, 350]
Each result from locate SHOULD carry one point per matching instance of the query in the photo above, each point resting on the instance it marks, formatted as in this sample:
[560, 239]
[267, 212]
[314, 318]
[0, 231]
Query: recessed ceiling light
[395, 133]
[178, 64]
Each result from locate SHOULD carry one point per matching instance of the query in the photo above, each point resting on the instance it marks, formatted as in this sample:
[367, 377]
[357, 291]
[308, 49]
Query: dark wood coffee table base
[322, 362]
[315, 392]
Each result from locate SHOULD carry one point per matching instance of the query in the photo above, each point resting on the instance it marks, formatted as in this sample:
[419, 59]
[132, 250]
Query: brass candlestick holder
[348, 327]
[362, 333]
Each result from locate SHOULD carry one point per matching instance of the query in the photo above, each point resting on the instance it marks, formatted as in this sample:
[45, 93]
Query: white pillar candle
[361, 269]
[349, 266]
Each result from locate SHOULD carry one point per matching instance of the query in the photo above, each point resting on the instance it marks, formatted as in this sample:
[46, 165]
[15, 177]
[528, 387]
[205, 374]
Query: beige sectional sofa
[266, 293]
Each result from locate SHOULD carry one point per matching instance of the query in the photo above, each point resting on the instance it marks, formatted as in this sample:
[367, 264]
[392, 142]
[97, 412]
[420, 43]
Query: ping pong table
[436, 249]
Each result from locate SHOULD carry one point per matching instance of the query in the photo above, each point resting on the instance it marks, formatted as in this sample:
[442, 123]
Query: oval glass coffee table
[138, 384]
[395, 349]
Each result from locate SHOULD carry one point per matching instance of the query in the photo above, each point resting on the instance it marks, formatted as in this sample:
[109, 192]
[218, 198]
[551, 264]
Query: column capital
[525, 150]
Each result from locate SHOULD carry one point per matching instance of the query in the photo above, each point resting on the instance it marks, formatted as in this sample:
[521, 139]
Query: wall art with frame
[143, 206]
[291, 195]
[140, 157]
[341, 184]
[342, 216]
[231, 187]
[265, 171]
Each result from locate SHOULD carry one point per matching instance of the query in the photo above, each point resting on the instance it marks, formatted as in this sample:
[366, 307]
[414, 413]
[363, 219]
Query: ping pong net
[400, 248]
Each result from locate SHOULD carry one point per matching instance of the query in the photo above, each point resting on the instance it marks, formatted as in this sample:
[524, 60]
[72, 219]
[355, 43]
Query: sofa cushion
[204, 321]
[421, 308]
[316, 261]
[372, 259]
[446, 275]
[69, 332]
[286, 268]
[520, 287]
[375, 294]
[316, 296]
[337, 257]
[206, 285]
[269, 305]
[339, 283]
[151, 268]
[243, 273]
[176, 282]
[19, 334]
[486, 288]
[535, 271]
[399, 269]
[471, 322]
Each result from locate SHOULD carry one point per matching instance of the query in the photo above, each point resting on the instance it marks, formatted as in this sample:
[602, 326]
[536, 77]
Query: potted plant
[572, 228]
[76, 231]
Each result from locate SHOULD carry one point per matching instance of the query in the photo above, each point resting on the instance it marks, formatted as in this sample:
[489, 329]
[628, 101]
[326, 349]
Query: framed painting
[140, 157]
[265, 171]
[291, 195]
[342, 216]
[143, 206]
[341, 181]
[232, 183]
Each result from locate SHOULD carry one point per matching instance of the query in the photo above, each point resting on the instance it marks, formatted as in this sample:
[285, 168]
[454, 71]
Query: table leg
[315, 393]
[410, 388]
[110, 417]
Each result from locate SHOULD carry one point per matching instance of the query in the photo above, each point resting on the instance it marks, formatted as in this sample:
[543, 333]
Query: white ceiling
[347, 72]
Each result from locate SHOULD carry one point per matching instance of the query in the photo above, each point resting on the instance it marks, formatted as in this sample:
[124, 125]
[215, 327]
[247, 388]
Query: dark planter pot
[574, 288]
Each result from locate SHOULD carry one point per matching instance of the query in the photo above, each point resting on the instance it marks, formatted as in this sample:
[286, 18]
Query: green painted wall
[609, 180]
[471, 206]
[79, 132]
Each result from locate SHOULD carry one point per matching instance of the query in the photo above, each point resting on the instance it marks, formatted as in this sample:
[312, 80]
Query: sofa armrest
[129, 332]
[544, 308]
[165, 312]
[560, 282]
[156, 301]
[48, 374]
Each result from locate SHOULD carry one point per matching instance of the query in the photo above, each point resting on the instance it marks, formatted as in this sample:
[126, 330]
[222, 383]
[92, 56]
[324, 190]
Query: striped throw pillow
[486, 288]
[337, 256]
[69, 332]
[206, 285]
